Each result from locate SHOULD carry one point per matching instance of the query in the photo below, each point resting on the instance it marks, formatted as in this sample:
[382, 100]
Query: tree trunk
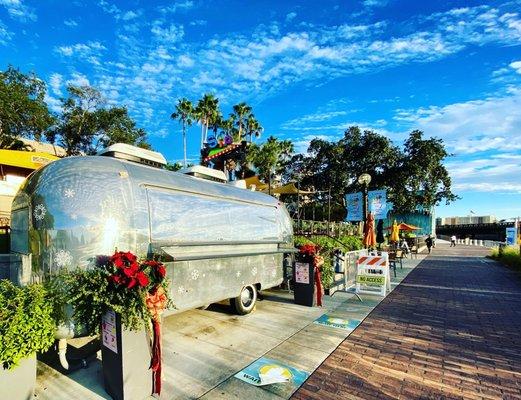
[184, 143]
[202, 134]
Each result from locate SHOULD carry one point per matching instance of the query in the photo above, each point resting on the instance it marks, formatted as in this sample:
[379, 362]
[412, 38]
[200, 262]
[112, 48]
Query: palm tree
[242, 112]
[206, 111]
[253, 127]
[184, 112]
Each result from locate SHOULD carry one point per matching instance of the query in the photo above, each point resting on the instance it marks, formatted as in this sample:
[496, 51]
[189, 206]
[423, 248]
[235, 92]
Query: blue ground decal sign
[336, 322]
[266, 371]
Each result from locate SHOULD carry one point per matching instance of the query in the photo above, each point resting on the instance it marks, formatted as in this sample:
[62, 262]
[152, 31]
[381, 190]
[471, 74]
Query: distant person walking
[429, 243]
[453, 241]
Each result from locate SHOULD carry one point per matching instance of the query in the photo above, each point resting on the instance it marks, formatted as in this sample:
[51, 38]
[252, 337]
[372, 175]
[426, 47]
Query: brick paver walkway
[451, 330]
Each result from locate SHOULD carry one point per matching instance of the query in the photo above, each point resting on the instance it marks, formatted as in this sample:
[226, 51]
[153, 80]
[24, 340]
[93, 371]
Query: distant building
[16, 165]
[471, 219]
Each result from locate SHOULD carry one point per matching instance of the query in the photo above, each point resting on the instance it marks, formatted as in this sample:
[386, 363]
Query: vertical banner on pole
[511, 236]
[355, 204]
[377, 200]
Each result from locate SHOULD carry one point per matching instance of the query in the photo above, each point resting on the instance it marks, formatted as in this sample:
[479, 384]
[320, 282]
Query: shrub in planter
[26, 327]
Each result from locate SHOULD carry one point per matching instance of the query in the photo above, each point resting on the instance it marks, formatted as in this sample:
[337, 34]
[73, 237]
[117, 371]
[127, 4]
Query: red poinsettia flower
[131, 283]
[161, 270]
[157, 267]
[131, 269]
[308, 249]
[142, 279]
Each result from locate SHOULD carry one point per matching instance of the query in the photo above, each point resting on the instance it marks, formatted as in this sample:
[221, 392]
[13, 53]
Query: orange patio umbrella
[369, 232]
[407, 227]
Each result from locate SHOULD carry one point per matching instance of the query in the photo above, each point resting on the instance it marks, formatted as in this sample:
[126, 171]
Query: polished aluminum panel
[76, 208]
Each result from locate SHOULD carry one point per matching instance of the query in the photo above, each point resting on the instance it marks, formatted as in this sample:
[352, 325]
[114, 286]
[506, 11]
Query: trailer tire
[245, 302]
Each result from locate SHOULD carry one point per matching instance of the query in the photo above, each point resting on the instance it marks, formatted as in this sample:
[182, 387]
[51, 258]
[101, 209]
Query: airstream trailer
[217, 241]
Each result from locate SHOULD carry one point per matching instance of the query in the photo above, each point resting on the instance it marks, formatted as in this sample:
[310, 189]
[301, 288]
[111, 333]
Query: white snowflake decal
[254, 271]
[181, 290]
[69, 193]
[39, 212]
[194, 275]
[238, 274]
[62, 258]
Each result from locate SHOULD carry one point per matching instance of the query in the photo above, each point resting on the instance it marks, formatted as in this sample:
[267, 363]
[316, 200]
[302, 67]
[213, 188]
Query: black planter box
[304, 281]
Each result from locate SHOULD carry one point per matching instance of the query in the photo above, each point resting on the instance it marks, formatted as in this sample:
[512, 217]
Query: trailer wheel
[245, 302]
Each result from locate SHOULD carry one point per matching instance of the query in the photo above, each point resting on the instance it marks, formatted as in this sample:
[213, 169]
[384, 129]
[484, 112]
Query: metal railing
[472, 242]
[323, 227]
[350, 267]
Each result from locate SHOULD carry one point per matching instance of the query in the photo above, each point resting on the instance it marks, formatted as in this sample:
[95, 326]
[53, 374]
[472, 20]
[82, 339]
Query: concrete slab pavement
[204, 349]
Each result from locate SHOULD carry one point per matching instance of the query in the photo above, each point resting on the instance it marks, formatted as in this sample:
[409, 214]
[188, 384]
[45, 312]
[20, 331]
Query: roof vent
[209, 174]
[135, 154]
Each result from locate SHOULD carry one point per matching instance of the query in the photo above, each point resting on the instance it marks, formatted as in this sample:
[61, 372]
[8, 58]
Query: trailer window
[181, 217]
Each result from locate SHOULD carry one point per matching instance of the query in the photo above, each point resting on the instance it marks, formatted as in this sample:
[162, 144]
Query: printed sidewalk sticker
[336, 322]
[266, 371]
[108, 331]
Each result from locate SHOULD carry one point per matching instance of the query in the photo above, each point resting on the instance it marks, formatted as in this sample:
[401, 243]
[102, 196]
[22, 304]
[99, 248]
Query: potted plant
[26, 327]
[127, 296]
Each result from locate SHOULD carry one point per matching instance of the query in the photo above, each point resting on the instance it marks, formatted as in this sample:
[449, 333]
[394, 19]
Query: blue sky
[450, 68]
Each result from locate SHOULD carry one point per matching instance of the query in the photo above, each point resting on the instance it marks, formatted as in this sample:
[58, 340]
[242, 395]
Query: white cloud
[5, 35]
[260, 63]
[70, 22]
[109, 8]
[375, 3]
[54, 104]
[90, 51]
[78, 79]
[301, 145]
[492, 174]
[185, 61]
[291, 16]
[516, 65]
[178, 5]
[18, 10]
[171, 34]
[298, 123]
[55, 82]
[129, 15]
[198, 22]
[473, 126]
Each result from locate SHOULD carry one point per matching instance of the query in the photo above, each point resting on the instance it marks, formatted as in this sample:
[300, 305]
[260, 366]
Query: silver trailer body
[214, 238]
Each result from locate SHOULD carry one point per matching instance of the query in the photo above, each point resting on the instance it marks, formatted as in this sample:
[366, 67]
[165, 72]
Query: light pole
[364, 180]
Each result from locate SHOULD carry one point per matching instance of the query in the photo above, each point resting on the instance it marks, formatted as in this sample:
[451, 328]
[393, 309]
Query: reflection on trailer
[217, 241]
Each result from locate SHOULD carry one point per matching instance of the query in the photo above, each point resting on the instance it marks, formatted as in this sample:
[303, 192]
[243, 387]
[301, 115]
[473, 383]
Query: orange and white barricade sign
[373, 276]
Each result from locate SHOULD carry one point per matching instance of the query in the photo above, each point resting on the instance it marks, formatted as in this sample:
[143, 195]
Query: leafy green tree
[23, 111]
[85, 125]
[206, 111]
[253, 127]
[270, 157]
[415, 176]
[242, 112]
[424, 180]
[184, 112]
[116, 126]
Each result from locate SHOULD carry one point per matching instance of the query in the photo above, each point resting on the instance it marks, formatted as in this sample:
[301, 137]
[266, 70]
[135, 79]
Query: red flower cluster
[157, 268]
[308, 249]
[131, 274]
